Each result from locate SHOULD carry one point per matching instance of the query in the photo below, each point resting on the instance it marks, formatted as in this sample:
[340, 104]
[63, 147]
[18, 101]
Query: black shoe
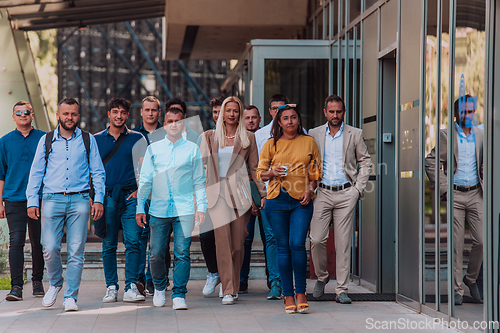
[38, 289]
[474, 290]
[458, 299]
[16, 294]
[343, 299]
[243, 287]
[141, 288]
[150, 288]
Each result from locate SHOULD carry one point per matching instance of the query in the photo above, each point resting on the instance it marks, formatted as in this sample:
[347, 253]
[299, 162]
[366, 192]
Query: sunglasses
[19, 113]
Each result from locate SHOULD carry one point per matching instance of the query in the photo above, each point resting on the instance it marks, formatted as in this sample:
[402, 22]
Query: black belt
[72, 193]
[335, 187]
[465, 188]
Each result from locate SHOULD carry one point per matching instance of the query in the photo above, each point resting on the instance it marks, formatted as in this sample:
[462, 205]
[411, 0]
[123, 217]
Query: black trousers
[18, 220]
[207, 242]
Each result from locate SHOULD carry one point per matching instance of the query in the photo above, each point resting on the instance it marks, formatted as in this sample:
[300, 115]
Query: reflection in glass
[303, 81]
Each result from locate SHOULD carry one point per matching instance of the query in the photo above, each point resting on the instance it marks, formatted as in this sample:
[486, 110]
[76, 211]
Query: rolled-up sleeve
[145, 181]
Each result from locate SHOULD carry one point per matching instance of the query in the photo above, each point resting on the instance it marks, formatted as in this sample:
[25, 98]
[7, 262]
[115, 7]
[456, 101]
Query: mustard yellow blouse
[301, 156]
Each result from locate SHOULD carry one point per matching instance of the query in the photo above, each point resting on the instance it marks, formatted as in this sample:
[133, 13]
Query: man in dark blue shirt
[121, 199]
[153, 131]
[17, 150]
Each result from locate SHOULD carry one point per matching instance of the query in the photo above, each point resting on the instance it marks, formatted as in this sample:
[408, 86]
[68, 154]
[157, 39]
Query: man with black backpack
[64, 161]
[121, 150]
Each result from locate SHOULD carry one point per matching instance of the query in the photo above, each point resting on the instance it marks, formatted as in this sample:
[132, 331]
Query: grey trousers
[467, 207]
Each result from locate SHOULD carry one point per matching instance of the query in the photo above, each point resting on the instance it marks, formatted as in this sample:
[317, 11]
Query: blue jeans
[58, 211]
[271, 251]
[131, 238]
[290, 222]
[161, 228]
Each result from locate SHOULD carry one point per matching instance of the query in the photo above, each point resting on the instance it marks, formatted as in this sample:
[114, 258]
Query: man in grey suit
[467, 190]
[342, 150]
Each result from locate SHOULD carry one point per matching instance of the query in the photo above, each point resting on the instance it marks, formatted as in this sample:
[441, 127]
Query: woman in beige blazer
[230, 156]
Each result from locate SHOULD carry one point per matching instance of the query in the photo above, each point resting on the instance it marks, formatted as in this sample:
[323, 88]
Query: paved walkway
[252, 313]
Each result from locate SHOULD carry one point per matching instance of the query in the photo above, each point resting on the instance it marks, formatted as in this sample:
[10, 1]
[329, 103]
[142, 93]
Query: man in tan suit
[342, 149]
[467, 193]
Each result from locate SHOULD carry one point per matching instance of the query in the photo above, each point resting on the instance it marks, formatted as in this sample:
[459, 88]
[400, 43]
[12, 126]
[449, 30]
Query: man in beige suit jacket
[467, 193]
[342, 150]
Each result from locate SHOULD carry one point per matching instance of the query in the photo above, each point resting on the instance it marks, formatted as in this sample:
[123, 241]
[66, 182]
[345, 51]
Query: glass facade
[400, 66]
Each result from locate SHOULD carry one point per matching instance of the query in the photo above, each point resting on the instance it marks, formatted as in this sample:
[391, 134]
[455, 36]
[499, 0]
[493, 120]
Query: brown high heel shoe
[302, 305]
[290, 306]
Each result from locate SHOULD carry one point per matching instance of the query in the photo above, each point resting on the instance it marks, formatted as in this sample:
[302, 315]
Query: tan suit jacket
[354, 152]
[236, 189]
[430, 160]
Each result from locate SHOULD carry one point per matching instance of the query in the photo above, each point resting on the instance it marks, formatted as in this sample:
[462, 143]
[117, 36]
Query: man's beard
[339, 121]
[70, 129]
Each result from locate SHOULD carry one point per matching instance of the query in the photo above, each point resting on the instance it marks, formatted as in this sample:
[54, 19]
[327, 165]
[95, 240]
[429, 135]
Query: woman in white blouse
[230, 156]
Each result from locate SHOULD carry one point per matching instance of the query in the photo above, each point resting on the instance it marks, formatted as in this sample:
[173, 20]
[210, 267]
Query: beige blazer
[430, 160]
[236, 189]
[354, 153]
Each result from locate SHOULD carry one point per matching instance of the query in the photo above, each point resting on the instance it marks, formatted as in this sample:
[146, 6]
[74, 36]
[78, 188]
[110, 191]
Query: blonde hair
[241, 131]
[151, 99]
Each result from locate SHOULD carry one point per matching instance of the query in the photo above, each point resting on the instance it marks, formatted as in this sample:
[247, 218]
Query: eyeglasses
[286, 106]
[19, 113]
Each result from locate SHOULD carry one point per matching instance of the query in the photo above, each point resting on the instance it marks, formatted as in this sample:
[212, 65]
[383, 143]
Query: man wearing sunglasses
[17, 150]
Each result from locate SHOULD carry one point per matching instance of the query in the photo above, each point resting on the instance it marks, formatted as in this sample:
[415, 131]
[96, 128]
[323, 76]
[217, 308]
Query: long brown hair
[277, 130]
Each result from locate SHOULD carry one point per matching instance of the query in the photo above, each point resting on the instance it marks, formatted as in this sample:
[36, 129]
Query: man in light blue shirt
[65, 175]
[467, 191]
[172, 170]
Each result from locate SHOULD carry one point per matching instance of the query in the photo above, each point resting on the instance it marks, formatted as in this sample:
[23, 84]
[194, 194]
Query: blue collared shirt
[157, 135]
[67, 168]
[16, 156]
[467, 167]
[333, 173]
[170, 173]
[124, 166]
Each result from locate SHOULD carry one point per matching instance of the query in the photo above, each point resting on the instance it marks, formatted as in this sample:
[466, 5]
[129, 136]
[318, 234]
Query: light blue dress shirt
[333, 173]
[67, 168]
[170, 173]
[467, 167]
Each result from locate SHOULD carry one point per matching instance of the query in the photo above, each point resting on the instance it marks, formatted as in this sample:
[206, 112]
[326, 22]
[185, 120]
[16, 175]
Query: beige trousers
[467, 207]
[338, 205]
[230, 230]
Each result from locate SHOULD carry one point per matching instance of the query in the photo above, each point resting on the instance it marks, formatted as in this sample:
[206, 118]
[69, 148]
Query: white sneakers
[228, 300]
[70, 304]
[50, 296]
[111, 295]
[133, 295]
[213, 280]
[159, 298]
[179, 303]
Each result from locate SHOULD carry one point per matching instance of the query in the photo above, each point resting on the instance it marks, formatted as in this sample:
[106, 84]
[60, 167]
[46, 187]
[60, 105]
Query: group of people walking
[158, 180]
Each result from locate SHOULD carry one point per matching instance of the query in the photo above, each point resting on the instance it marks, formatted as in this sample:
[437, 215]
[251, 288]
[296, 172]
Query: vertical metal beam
[82, 85]
[491, 228]
[339, 55]
[378, 196]
[360, 209]
[346, 78]
[437, 197]
[449, 155]
[397, 142]
[421, 173]
[148, 59]
[355, 78]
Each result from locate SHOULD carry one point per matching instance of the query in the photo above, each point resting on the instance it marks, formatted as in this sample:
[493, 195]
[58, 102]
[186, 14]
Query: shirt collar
[339, 133]
[178, 142]
[125, 130]
[75, 134]
[19, 132]
[461, 132]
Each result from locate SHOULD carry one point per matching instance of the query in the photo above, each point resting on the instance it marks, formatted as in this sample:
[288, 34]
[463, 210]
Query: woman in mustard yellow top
[291, 161]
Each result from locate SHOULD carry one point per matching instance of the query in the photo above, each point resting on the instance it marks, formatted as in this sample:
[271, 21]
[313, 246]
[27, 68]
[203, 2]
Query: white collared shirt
[333, 174]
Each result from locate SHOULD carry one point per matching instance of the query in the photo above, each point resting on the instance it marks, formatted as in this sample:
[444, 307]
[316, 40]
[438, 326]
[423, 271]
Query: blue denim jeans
[161, 228]
[131, 236]
[290, 222]
[72, 212]
[270, 248]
